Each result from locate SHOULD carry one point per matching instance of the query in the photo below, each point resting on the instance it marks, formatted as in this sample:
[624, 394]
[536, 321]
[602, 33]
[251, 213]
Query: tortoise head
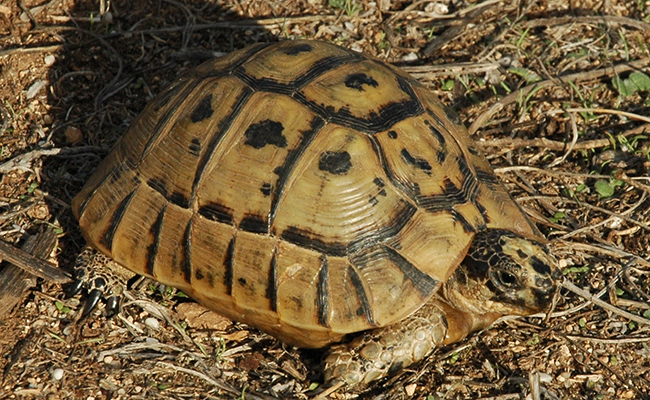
[504, 273]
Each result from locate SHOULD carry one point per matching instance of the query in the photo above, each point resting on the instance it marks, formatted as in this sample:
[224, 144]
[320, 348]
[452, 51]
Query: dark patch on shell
[195, 147]
[254, 224]
[198, 274]
[152, 249]
[297, 49]
[272, 287]
[266, 189]
[364, 310]
[310, 240]
[335, 162]
[265, 132]
[323, 297]
[186, 261]
[452, 115]
[357, 80]
[204, 110]
[217, 212]
[158, 186]
[436, 133]
[419, 163]
[180, 200]
[115, 220]
[229, 264]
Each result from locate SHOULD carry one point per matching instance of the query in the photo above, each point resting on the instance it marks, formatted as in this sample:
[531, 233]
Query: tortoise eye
[507, 279]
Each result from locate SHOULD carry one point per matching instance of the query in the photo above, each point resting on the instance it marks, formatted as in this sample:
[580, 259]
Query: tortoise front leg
[377, 353]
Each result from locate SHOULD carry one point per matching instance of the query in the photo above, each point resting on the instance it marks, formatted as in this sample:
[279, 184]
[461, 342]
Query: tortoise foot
[101, 279]
[380, 352]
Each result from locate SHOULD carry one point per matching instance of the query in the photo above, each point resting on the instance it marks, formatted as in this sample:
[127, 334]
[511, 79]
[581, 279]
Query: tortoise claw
[73, 288]
[112, 306]
[91, 302]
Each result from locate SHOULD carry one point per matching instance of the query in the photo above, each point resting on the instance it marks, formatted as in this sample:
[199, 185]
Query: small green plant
[242, 396]
[523, 35]
[350, 7]
[220, 348]
[630, 144]
[575, 270]
[61, 307]
[586, 103]
[528, 75]
[448, 85]
[582, 52]
[383, 42]
[524, 102]
[557, 217]
[32, 187]
[607, 188]
[534, 340]
[637, 81]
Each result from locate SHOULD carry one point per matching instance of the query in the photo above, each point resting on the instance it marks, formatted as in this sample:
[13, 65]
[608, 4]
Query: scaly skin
[376, 353]
[380, 352]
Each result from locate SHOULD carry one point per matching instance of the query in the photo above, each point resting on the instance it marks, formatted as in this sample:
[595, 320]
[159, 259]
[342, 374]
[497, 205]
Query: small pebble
[545, 378]
[35, 88]
[152, 323]
[73, 135]
[49, 60]
[410, 389]
[108, 359]
[57, 374]
[410, 57]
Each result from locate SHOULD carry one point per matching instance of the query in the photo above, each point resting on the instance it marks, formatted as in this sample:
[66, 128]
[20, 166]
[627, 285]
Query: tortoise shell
[299, 187]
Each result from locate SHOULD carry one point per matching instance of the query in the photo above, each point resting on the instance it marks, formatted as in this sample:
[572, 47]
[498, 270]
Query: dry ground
[559, 89]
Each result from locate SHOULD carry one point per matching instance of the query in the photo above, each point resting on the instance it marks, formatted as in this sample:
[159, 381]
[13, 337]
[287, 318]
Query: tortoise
[314, 192]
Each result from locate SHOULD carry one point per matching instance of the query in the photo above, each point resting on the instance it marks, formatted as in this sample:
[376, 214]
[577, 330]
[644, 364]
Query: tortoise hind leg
[377, 353]
[101, 278]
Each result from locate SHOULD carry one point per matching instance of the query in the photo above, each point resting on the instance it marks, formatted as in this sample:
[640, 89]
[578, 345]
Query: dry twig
[595, 300]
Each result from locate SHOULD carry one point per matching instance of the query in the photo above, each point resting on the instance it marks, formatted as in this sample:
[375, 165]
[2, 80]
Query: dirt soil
[556, 92]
